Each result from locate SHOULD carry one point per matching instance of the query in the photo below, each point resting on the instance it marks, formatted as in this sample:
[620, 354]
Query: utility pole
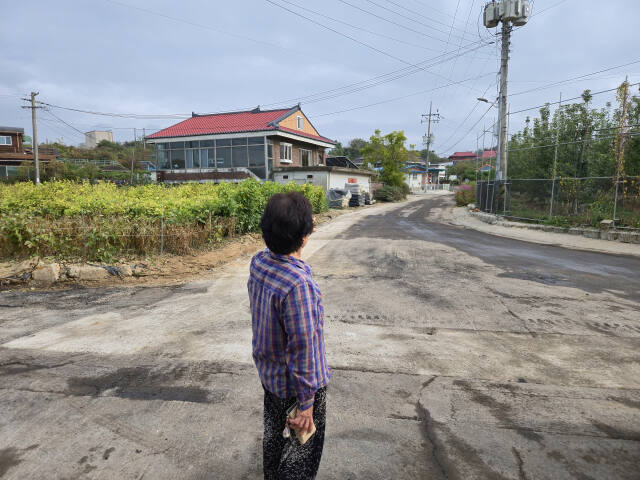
[34, 140]
[501, 166]
[507, 12]
[133, 156]
[431, 117]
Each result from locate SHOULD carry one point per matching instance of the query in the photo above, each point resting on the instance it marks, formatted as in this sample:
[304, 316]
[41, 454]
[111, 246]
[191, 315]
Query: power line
[205, 27]
[544, 87]
[421, 92]
[475, 105]
[414, 20]
[415, 12]
[364, 44]
[359, 28]
[569, 99]
[391, 21]
[378, 80]
[470, 130]
[591, 139]
[62, 121]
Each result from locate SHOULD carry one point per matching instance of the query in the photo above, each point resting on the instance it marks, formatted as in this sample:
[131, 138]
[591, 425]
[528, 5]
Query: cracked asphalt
[455, 354]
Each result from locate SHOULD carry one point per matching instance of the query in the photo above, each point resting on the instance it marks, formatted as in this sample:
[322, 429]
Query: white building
[94, 137]
[325, 177]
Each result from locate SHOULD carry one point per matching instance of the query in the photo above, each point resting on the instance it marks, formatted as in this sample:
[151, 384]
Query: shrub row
[102, 221]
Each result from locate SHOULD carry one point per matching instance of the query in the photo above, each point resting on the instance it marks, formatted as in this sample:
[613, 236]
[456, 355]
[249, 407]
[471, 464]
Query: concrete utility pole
[507, 12]
[34, 140]
[501, 167]
[431, 117]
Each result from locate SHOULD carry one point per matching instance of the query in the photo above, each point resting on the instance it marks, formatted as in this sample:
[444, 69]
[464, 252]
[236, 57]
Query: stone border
[48, 273]
[610, 235]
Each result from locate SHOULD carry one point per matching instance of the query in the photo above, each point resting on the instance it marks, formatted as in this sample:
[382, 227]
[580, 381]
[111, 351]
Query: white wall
[324, 179]
[339, 179]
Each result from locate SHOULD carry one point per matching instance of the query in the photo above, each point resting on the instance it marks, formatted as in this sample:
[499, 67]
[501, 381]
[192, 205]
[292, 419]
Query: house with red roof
[234, 146]
[458, 157]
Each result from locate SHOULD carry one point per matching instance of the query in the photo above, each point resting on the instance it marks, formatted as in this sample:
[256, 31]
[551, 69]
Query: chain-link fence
[564, 201]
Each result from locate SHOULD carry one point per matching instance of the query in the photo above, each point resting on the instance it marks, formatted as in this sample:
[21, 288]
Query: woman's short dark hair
[287, 219]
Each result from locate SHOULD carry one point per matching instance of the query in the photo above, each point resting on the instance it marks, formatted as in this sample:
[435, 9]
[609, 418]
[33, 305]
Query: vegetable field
[69, 220]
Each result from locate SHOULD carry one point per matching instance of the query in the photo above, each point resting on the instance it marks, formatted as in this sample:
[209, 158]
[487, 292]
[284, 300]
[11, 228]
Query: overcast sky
[166, 57]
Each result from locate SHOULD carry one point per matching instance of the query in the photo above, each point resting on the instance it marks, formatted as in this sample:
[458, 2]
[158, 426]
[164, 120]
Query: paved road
[455, 354]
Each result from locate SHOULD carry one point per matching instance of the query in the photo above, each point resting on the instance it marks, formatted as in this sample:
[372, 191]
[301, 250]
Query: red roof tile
[462, 154]
[233, 122]
[222, 123]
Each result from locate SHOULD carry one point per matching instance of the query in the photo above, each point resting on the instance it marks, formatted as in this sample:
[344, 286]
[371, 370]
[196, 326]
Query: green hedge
[100, 221]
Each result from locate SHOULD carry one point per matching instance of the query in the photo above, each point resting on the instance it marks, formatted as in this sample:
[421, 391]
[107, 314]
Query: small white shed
[325, 177]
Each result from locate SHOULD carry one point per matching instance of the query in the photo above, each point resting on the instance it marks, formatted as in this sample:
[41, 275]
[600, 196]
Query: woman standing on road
[288, 341]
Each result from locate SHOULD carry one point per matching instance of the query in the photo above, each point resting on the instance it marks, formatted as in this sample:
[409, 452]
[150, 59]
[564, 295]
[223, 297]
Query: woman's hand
[303, 421]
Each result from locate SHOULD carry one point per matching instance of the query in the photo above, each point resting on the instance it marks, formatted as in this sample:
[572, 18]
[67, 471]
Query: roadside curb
[595, 233]
[553, 236]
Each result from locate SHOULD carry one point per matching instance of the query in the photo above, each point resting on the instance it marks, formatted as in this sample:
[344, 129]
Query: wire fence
[565, 201]
[105, 238]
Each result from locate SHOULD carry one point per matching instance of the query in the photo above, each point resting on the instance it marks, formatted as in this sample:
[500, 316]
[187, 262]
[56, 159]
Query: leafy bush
[465, 194]
[389, 193]
[100, 221]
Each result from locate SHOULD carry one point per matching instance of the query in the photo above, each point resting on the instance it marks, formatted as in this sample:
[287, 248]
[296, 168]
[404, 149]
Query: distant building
[94, 137]
[238, 145]
[487, 155]
[458, 157]
[325, 177]
[416, 176]
[13, 152]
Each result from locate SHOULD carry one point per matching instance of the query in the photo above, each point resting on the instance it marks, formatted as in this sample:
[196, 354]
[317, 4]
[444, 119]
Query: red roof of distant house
[233, 122]
[489, 154]
[463, 155]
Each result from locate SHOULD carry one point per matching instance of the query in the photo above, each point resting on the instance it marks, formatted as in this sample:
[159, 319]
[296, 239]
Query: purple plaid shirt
[288, 327]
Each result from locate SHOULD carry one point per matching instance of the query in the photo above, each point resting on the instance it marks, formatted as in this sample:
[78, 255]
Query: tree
[389, 153]
[337, 150]
[432, 157]
[465, 171]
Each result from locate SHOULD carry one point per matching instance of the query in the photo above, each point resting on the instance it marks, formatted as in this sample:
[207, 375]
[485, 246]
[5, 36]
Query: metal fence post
[84, 236]
[555, 157]
[161, 229]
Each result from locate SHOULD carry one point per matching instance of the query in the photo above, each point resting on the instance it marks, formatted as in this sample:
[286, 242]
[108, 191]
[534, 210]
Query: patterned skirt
[285, 458]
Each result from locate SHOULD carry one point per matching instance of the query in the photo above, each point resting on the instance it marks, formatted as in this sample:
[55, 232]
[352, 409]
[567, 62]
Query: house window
[285, 153]
[300, 122]
[285, 177]
[305, 156]
[5, 140]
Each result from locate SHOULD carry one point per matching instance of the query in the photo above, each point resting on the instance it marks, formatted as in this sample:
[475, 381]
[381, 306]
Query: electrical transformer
[516, 11]
[491, 16]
